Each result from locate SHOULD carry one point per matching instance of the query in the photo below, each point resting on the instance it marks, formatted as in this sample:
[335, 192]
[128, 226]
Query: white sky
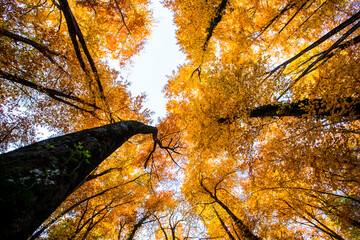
[160, 56]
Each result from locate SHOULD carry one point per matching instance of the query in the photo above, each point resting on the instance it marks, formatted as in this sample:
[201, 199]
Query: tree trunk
[242, 229]
[316, 107]
[137, 226]
[231, 237]
[36, 179]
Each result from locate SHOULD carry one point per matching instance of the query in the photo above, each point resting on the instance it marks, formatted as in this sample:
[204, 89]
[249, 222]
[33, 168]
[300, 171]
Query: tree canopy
[261, 140]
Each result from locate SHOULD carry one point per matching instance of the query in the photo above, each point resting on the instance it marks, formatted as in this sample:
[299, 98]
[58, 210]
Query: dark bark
[316, 107]
[327, 36]
[242, 229]
[292, 18]
[78, 38]
[342, 46]
[54, 94]
[224, 225]
[137, 227]
[35, 179]
[76, 35]
[322, 57]
[214, 22]
[286, 8]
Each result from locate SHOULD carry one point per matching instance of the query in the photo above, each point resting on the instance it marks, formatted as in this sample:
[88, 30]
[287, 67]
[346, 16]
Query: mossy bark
[36, 179]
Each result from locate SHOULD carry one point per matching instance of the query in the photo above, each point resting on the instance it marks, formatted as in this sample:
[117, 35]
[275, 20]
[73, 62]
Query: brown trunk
[36, 179]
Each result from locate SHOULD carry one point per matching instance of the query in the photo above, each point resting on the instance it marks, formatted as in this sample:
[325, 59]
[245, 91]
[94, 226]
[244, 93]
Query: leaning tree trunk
[36, 179]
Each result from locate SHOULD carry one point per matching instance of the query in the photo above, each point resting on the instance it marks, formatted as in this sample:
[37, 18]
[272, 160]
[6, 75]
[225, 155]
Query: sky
[160, 56]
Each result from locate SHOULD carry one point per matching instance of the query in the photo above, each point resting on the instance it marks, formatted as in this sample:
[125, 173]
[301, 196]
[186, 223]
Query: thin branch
[55, 94]
[37, 234]
[93, 176]
[312, 14]
[310, 190]
[122, 16]
[40, 47]
[274, 19]
[9, 132]
[322, 57]
[342, 46]
[169, 149]
[298, 10]
[335, 30]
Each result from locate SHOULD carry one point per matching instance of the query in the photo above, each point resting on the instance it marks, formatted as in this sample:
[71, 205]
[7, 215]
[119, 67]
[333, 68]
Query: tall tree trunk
[36, 179]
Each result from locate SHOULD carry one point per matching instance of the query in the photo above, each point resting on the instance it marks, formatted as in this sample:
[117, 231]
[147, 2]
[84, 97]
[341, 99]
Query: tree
[53, 64]
[38, 177]
[262, 132]
[272, 70]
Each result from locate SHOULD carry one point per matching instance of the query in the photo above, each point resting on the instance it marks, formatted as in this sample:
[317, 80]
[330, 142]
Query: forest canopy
[261, 139]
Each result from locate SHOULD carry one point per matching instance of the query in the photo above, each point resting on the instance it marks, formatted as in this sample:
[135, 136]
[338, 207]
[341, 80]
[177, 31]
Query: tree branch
[41, 48]
[76, 35]
[297, 109]
[322, 56]
[122, 17]
[55, 94]
[341, 26]
[214, 22]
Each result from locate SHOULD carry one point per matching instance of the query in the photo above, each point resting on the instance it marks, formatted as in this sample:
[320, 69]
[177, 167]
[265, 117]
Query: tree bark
[137, 226]
[242, 229]
[231, 237]
[36, 179]
[316, 107]
[214, 22]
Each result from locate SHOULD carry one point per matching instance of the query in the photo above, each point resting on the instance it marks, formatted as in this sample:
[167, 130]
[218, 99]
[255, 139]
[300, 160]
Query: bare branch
[288, 22]
[122, 16]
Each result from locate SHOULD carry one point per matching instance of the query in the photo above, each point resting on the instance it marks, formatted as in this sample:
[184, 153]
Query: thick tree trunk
[36, 179]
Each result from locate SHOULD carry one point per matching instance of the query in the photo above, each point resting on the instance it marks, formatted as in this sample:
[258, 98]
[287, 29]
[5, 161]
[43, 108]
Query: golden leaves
[290, 171]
